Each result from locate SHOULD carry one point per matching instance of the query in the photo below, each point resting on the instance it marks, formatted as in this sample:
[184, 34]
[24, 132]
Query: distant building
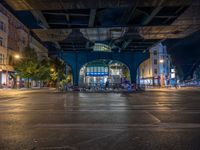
[156, 69]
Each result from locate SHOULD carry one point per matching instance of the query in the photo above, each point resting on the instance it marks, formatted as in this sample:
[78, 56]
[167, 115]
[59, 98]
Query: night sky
[185, 54]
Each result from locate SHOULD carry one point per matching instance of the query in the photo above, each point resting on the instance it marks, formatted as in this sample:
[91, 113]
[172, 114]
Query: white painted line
[121, 126]
[154, 117]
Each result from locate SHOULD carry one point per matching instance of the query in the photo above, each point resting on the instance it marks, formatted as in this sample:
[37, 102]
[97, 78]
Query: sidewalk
[9, 91]
[172, 89]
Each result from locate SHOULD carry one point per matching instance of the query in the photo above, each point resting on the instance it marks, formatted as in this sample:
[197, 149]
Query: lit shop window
[96, 71]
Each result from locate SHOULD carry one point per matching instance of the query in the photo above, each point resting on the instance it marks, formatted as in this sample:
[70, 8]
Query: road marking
[60, 147]
[154, 117]
[98, 138]
[121, 126]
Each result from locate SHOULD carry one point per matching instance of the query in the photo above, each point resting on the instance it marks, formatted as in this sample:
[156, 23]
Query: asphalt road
[153, 120]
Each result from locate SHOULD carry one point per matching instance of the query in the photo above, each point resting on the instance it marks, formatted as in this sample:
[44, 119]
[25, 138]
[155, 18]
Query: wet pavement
[152, 120]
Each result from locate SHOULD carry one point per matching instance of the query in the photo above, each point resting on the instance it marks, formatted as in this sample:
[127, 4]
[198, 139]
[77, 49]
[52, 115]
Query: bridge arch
[79, 58]
[104, 71]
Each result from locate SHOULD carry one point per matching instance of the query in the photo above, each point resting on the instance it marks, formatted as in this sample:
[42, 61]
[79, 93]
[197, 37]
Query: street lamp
[52, 69]
[17, 56]
[161, 61]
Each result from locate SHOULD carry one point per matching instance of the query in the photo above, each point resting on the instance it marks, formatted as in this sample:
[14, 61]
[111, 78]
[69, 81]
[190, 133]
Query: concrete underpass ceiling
[84, 4]
[123, 24]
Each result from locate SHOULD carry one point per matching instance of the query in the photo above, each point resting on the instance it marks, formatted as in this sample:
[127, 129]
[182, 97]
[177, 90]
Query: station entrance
[102, 73]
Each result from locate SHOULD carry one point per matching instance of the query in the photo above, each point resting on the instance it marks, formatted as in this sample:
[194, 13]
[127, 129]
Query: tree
[59, 71]
[26, 67]
[29, 67]
[42, 72]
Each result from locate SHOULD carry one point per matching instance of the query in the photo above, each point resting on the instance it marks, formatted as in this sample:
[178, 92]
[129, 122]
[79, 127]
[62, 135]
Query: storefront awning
[6, 68]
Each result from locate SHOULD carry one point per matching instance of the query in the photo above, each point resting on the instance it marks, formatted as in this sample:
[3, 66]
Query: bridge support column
[133, 74]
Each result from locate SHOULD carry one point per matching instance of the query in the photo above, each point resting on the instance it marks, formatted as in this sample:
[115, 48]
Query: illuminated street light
[17, 56]
[52, 69]
[161, 61]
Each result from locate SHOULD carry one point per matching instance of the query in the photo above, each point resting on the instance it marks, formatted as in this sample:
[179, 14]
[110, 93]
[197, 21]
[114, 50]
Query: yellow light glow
[161, 61]
[17, 56]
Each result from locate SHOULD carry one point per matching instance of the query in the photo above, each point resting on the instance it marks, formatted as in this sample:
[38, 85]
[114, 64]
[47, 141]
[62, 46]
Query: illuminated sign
[172, 75]
[97, 74]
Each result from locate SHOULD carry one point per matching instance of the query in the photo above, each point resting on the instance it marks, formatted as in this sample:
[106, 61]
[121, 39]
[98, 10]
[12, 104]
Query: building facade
[42, 52]
[14, 37]
[156, 70]
[3, 47]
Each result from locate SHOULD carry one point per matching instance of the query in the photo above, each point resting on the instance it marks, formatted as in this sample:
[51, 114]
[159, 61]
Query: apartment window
[2, 26]
[1, 41]
[155, 71]
[142, 72]
[155, 52]
[155, 61]
[10, 60]
[23, 40]
[1, 59]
